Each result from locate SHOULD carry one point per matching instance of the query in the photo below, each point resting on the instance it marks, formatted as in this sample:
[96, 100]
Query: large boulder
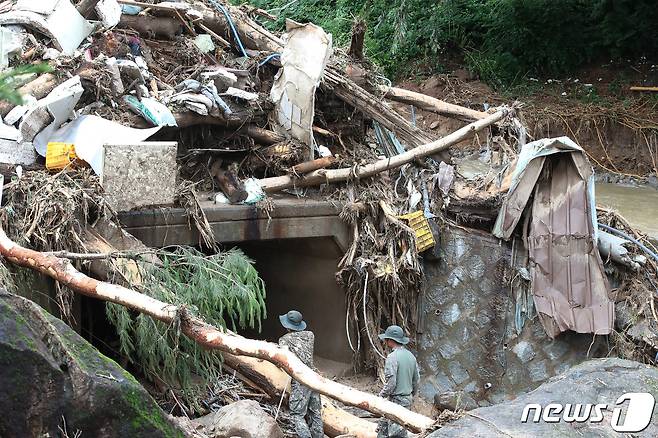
[243, 419]
[51, 378]
[596, 381]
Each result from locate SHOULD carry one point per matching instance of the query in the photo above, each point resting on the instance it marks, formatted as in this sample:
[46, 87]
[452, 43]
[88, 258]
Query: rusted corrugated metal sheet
[570, 288]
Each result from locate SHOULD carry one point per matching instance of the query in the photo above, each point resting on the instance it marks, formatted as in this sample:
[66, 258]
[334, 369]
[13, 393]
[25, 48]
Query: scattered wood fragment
[429, 103]
[86, 7]
[260, 12]
[256, 37]
[318, 177]
[229, 183]
[206, 335]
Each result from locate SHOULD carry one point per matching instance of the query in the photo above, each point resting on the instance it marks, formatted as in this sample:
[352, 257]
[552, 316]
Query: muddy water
[639, 205]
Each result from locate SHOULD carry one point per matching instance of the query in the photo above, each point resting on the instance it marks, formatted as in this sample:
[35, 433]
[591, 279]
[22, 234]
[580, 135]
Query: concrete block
[12, 152]
[139, 174]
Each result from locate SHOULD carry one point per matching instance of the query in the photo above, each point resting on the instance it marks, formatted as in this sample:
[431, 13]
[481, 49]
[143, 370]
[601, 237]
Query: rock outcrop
[52, 378]
[595, 382]
[243, 419]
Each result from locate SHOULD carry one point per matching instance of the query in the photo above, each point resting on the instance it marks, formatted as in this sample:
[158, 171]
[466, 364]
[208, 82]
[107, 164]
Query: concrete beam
[290, 219]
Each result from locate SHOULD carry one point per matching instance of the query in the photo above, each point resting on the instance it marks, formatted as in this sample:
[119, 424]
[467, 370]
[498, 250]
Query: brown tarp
[569, 285]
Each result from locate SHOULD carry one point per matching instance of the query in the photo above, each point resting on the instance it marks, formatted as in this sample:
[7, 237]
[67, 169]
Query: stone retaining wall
[469, 343]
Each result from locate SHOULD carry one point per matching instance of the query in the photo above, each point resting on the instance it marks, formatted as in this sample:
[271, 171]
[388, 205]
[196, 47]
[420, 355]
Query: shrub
[501, 40]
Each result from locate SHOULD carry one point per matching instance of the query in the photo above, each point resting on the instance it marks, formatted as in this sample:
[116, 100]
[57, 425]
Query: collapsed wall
[469, 350]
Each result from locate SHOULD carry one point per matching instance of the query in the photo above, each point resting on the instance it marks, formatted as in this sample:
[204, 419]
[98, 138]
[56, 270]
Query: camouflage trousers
[306, 411]
[390, 429]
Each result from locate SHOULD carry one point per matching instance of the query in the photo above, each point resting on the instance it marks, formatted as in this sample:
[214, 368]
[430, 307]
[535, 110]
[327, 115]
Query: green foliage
[501, 40]
[224, 289]
[8, 89]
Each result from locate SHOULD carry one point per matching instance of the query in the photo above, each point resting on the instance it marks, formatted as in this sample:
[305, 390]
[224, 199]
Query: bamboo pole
[206, 335]
[318, 177]
[429, 103]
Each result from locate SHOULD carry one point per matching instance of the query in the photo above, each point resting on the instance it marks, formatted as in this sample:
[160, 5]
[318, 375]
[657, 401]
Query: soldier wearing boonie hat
[305, 405]
[401, 373]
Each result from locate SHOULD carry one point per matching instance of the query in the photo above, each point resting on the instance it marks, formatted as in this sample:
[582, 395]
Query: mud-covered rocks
[243, 419]
[51, 378]
[593, 382]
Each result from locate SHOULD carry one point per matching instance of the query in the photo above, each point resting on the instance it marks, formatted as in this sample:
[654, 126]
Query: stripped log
[318, 177]
[267, 377]
[37, 88]
[206, 335]
[432, 104]
[262, 135]
[310, 166]
[152, 27]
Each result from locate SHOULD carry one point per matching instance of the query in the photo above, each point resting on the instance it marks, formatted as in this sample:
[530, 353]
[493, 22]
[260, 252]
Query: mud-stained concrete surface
[300, 274]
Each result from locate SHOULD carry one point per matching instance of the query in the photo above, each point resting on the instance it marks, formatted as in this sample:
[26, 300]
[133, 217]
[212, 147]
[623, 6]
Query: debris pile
[200, 92]
[153, 104]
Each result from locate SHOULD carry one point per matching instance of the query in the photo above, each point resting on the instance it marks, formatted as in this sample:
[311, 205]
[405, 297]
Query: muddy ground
[617, 127]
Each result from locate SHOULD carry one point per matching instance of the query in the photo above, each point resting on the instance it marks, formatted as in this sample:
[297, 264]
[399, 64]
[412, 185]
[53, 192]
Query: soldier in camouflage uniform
[401, 373]
[305, 404]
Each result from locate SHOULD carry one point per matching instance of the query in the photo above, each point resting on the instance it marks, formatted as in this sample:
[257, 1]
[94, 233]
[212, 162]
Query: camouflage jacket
[301, 343]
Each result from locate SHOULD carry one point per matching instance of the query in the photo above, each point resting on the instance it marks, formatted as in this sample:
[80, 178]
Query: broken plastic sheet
[50, 113]
[11, 42]
[154, 112]
[109, 11]
[305, 55]
[569, 286]
[89, 134]
[57, 19]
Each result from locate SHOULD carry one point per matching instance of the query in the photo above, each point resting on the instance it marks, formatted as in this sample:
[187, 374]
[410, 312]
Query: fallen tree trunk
[429, 103]
[317, 177]
[38, 88]
[206, 335]
[106, 237]
[151, 27]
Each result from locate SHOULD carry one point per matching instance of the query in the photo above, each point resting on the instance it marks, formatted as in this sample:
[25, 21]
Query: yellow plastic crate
[423, 233]
[59, 155]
